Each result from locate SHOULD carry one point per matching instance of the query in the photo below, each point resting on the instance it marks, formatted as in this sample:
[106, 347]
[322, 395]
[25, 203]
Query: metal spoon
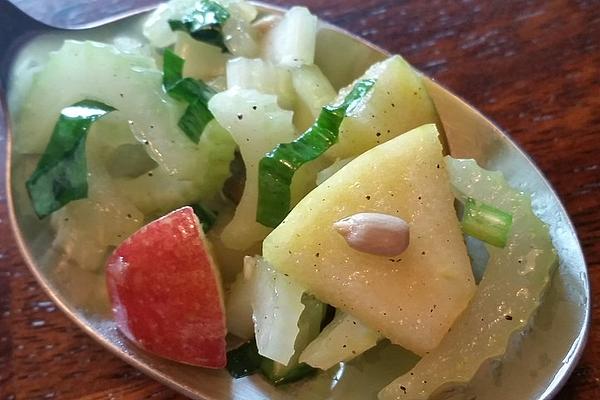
[558, 333]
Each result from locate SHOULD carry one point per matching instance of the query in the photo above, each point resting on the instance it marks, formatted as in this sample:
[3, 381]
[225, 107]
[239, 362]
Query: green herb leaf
[244, 360]
[204, 23]
[278, 167]
[61, 173]
[206, 216]
[486, 222]
[194, 92]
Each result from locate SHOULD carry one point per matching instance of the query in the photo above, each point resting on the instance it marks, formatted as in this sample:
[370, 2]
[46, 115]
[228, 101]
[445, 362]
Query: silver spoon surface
[558, 332]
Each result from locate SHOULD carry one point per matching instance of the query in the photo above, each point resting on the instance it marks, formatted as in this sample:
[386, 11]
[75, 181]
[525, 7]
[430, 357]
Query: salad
[245, 211]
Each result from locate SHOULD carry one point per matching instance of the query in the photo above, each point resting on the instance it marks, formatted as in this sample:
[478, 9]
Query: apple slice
[166, 291]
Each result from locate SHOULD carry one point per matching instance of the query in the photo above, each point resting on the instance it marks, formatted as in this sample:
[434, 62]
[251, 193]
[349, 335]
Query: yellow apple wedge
[412, 298]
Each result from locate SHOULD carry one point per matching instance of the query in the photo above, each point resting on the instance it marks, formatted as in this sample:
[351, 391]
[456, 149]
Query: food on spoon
[166, 292]
[413, 299]
[339, 276]
[342, 340]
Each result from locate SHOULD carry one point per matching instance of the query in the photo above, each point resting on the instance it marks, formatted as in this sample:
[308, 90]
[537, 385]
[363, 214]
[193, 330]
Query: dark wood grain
[532, 66]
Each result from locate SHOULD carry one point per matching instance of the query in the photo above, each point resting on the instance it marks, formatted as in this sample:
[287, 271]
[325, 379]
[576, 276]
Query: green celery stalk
[486, 222]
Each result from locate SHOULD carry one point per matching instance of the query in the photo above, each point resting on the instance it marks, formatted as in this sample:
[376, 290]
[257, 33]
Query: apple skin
[166, 291]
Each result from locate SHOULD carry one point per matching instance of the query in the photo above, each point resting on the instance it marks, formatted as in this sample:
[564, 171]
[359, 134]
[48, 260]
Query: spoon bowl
[557, 334]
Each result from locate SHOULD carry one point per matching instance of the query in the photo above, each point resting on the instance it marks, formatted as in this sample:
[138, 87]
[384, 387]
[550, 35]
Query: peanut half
[375, 233]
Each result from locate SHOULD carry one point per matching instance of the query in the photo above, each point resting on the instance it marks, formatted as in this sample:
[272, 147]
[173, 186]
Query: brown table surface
[532, 66]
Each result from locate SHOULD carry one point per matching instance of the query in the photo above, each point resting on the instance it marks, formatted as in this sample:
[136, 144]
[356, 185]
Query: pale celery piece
[342, 340]
[241, 37]
[397, 103]
[277, 307]
[257, 124]
[87, 229]
[238, 302]
[313, 91]
[510, 292]
[246, 73]
[309, 326]
[292, 42]
[158, 192]
[202, 61]
[130, 83]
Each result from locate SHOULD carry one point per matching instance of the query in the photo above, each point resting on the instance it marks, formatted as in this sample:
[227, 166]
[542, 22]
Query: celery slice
[277, 307]
[486, 223]
[510, 292]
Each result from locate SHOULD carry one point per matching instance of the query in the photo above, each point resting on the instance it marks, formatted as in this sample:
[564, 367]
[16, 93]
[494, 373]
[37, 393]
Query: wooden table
[532, 66]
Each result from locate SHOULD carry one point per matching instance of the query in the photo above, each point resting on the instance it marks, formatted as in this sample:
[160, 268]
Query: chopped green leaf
[194, 120]
[172, 69]
[61, 173]
[486, 222]
[278, 167]
[207, 217]
[204, 23]
[180, 88]
[244, 360]
[194, 92]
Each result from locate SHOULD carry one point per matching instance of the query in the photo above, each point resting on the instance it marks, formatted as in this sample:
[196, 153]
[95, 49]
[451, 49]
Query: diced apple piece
[398, 103]
[413, 298]
[166, 292]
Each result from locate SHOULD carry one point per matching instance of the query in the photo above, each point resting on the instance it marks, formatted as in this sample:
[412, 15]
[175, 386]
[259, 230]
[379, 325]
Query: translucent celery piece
[277, 307]
[130, 83]
[342, 340]
[202, 61]
[257, 124]
[508, 295]
[313, 91]
[292, 41]
[158, 192]
[246, 73]
[309, 326]
[238, 302]
[87, 229]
